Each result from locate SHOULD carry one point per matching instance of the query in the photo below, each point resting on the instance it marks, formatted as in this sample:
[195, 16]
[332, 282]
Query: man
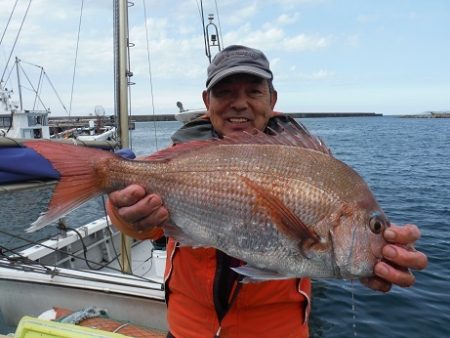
[204, 295]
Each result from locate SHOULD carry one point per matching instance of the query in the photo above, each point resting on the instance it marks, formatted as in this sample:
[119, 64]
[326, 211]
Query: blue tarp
[23, 164]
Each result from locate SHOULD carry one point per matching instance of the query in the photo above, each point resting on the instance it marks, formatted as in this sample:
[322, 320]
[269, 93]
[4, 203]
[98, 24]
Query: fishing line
[352, 290]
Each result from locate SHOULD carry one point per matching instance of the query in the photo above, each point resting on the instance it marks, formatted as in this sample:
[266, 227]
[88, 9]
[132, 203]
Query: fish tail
[79, 180]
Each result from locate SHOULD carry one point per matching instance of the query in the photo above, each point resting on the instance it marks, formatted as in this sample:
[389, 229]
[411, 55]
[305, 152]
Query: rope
[76, 57]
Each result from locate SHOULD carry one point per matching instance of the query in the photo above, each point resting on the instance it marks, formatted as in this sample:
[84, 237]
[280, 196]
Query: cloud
[243, 15]
[321, 75]
[286, 19]
[304, 42]
[271, 37]
[296, 3]
[353, 40]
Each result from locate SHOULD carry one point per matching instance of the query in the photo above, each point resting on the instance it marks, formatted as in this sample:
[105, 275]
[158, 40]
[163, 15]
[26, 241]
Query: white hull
[28, 288]
[189, 115]
[109, 134]
[27, 293]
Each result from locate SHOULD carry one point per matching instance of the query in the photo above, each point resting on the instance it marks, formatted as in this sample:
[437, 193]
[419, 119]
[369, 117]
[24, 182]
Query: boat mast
[19, 85]
[121, 73]
[121, 76]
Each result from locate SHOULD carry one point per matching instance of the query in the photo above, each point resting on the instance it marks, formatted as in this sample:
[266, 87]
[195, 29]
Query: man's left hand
[398, 257]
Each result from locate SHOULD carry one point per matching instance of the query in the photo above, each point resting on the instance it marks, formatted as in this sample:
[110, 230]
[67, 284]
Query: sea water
[406, 162]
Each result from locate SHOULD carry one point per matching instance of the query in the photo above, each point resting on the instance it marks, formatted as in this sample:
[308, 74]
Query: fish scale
[271, 201]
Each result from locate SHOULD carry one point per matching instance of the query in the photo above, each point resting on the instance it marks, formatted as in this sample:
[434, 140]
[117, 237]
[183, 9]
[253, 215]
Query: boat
[80, 268]
[186, 115]
[83, 267]
[85, 129]
[16, 122]
[19, 123]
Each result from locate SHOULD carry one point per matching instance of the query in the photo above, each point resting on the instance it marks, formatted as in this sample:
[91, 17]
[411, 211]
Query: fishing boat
[92, 265]
[186, 115]
[16, 122]
[19, 123]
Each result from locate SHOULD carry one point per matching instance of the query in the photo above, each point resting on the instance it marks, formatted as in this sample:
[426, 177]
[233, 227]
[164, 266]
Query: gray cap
[237, 59]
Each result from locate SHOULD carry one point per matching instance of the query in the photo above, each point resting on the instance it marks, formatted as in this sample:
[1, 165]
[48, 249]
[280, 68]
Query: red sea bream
[281, 203]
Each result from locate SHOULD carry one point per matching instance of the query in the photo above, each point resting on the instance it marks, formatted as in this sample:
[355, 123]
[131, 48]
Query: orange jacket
[266, 309]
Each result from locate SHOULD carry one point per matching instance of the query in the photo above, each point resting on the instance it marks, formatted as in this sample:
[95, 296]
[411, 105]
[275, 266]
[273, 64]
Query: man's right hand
[143, 212]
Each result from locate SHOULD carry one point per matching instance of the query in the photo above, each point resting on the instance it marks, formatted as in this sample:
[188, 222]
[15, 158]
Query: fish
[280, 203]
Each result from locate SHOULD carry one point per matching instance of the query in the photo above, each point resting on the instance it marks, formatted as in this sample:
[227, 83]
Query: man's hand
[140, 210]
[398, 257]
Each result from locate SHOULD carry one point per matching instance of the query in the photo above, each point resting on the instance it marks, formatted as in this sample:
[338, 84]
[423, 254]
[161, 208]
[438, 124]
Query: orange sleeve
[128, 229]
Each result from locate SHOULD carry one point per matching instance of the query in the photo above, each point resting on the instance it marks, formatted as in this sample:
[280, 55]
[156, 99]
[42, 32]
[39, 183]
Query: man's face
[240, 102]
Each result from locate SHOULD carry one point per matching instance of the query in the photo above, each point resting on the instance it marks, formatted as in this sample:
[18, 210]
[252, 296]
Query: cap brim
[238, 70]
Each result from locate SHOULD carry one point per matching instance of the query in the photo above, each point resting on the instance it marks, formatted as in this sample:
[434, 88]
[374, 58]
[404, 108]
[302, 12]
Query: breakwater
[170, 117]
[56, 121]
[428, 116]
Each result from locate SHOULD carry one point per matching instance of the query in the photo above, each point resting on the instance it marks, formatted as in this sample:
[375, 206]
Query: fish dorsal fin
[289, 136]
[284, 218]
[169, 153]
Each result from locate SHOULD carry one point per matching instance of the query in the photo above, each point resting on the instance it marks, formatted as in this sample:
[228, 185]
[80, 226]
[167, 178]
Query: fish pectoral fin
[255, 275]
[283, 217]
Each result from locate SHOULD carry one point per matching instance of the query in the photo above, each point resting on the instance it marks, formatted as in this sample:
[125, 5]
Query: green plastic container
[30, 327]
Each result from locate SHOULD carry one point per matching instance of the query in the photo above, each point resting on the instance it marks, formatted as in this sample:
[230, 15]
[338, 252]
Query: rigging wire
[218, 20]
[76, 57]
[69, 254]
[150, 73]
[9, 20]
[38, 90]
[35, 91]
[44, 73]
[205, 38]
[16, 39]
[56, 93]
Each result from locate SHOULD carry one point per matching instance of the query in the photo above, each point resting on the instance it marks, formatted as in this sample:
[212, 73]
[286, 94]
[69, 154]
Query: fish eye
[377, 224]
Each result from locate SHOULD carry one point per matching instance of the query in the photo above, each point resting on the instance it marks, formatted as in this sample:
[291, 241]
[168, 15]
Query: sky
[384, 56]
